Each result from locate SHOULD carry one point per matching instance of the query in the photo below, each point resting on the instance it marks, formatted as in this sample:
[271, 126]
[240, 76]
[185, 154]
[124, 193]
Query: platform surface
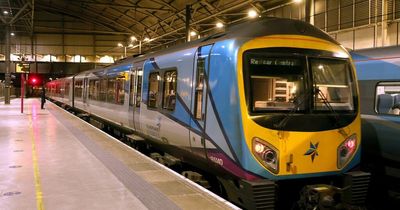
[50, 159]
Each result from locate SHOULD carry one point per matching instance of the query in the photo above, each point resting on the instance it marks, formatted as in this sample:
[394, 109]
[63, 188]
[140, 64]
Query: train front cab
[301, 124]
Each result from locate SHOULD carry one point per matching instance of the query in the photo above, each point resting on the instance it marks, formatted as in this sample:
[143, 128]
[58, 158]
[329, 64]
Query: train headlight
[346, 150]
[266, 154]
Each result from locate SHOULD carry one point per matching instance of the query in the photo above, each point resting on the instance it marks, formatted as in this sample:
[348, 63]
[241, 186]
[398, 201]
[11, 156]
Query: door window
[153, 90]
[139, 88]
[198, 105]
[169, 95]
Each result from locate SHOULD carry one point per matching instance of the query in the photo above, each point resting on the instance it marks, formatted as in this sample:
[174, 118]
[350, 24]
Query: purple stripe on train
[227, 163]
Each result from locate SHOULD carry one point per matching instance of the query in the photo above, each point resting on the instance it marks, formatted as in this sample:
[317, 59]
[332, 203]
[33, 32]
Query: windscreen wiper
[330, 108]
[298, 101]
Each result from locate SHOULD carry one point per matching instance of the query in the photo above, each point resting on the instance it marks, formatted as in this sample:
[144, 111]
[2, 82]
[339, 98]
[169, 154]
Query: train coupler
[351, 196]
[320, 196]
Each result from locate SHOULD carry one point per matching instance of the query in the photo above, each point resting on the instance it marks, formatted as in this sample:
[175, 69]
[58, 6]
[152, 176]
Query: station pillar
[7, 87]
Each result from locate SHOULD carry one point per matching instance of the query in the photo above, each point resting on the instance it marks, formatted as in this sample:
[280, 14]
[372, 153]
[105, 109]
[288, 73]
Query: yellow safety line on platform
[38, 189]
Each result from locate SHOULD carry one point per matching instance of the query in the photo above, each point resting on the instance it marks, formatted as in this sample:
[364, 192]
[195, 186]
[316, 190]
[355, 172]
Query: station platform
[50, 159]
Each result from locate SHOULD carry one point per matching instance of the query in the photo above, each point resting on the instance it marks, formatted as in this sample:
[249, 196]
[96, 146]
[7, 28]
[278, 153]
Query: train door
[135, 96]
[197, 134]
[138, 97]
[132, 87]
[85, 90]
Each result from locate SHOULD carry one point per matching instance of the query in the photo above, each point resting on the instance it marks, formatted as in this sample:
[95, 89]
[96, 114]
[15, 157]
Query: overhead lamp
[219, 25]
[252, 14]
[5, 12]
[133, 38]
[120, 45]
[12, 34]
[297, 1]
[193, 33]
[130, 45]
[146, 39]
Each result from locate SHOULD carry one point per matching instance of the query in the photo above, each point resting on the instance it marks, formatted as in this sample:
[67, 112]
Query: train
[378, 72]
[270, 107]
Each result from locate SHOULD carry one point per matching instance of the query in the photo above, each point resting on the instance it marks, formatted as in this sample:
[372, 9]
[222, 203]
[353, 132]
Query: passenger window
[153, 90]
[58, 89]
[139, 88]
[62, 89]
[131, 90]
[66, 92]
[94, 89]
[78, 89]
[198, 105]
[388, 98]
[169, 95]
[119, 90]
[103, 90]
[111, 90]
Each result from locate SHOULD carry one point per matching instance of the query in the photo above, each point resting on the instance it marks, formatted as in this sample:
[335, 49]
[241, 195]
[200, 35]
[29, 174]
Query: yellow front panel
[294, 145]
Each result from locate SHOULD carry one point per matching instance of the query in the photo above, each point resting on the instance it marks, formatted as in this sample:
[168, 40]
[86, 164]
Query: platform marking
[144, 191]
[38, 188]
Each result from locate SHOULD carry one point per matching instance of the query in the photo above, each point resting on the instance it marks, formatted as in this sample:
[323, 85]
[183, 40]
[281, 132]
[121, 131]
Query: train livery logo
[312, 151]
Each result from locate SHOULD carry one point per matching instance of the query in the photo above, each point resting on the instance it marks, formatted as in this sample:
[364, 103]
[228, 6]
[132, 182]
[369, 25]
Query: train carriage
[60, 90]
[264, 103]
[378, 72]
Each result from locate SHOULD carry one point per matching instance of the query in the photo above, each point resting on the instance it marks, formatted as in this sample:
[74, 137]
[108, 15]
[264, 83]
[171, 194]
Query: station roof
[162, 21]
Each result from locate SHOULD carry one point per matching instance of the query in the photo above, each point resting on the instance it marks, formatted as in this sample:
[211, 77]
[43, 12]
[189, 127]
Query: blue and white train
[378, 72]
[268, 103]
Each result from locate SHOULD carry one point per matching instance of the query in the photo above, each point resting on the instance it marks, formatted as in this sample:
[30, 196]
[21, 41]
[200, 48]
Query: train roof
[381, 52]
[277, 26]
[252, 29]
[247, 30]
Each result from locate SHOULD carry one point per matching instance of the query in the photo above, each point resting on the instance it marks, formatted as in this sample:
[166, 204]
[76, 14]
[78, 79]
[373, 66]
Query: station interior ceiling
[70, 36]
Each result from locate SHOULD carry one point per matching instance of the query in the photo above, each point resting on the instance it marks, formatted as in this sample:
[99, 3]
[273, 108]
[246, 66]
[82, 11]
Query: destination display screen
[275, 61]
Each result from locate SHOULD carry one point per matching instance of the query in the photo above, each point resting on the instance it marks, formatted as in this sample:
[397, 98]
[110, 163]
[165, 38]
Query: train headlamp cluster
[266, 154]
[346, 150]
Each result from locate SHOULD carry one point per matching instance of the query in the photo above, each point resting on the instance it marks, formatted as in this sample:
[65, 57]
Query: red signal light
[34, 80]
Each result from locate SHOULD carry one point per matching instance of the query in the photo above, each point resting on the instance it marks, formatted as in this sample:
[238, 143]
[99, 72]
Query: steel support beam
[120, 6]
[308, 11]
[187, 23]
[7, 88]
[15, 18]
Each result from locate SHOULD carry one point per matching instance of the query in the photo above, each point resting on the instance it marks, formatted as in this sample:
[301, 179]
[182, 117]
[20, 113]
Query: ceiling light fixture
[219, 25]
[252, 14]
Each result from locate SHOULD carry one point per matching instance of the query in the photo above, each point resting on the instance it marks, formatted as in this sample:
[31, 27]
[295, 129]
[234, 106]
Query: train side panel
[223, 118]
[378, 71]
[161, 116]
[99, 102]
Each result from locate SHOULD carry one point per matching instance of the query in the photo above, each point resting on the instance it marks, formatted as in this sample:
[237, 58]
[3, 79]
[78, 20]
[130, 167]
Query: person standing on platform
[43, 97]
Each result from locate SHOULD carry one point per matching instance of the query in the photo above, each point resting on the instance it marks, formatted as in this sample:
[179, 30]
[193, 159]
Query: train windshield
[333, 85]
[275, 83]
[279, 84]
